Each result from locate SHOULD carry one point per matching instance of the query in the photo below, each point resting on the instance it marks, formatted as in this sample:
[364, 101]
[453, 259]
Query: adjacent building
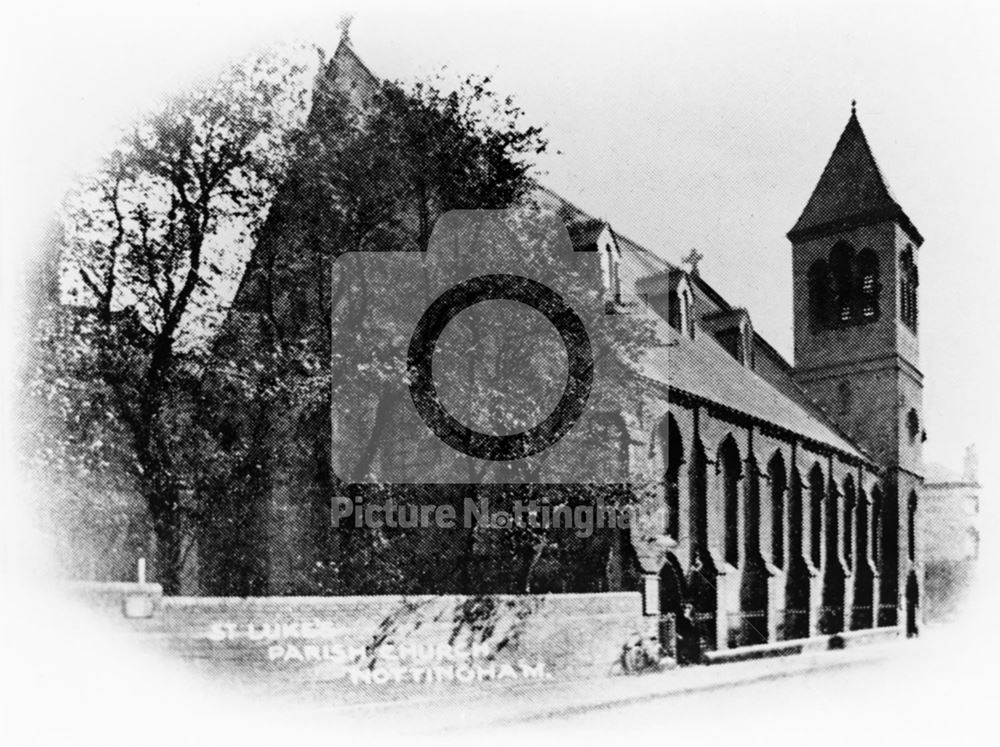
[949, 534]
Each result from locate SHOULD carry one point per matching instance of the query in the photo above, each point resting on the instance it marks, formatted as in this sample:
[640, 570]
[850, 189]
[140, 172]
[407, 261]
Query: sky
[682, 125]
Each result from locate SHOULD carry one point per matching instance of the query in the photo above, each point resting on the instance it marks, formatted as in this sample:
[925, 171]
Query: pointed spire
[851, 191]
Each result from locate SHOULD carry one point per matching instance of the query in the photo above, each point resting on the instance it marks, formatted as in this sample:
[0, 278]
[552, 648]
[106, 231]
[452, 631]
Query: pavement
[525, 703]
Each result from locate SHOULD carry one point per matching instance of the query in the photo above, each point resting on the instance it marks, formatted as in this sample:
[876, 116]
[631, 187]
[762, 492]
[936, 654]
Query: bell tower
[854, 263]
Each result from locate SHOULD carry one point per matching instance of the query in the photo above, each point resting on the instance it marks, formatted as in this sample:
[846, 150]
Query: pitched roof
[851, 192]
[345, 61]
[701, 368]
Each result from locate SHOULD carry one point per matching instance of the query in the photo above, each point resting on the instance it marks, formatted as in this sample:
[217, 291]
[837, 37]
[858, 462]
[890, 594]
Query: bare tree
[155, 242]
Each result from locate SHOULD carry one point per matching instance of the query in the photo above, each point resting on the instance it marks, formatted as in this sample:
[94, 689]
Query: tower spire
[851, 191]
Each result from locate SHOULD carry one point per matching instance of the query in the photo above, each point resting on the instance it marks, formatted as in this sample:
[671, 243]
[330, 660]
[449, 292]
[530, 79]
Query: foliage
[149, 249]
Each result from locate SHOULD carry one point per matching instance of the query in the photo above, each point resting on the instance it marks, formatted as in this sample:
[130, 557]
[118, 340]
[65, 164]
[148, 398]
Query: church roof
[698, 368]
[702, 369]
[851, 192]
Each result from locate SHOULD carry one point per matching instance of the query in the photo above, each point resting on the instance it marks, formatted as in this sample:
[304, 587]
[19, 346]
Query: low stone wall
[352, 649]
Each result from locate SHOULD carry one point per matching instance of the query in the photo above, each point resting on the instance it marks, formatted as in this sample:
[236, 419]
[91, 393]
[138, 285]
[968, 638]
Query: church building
[785, 495]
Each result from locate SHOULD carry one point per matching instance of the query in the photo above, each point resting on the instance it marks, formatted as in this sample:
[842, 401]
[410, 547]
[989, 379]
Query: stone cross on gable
[693, 258]
[345, 27]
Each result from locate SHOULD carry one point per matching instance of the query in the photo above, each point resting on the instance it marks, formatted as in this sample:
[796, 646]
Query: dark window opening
[730, 340]
[819, 294]
[816, 497]
[674, 310]
[779, 484]
[850, 499]
[868, 285]
[842, 272]
[699, 497]
[844, 289]
[912, 425]
[729, 461]
[674, 454]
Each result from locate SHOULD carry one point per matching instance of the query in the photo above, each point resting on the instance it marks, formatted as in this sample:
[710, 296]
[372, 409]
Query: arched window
[819, 293]
[729, 463]
[861, 516]
[868, 285]
[817, 494]
[844, 397]
[912, 425]
[842, 273]
[673, 451]
[699, 496]
[844, 289]
[779, 484]
[850, 500]
[909, 280]
[796, 517]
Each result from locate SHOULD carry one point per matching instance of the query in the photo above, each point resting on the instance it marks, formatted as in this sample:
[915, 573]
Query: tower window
[912, 425]
[819, 293]
[868, 285]
[844, 288]
[842, 272]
